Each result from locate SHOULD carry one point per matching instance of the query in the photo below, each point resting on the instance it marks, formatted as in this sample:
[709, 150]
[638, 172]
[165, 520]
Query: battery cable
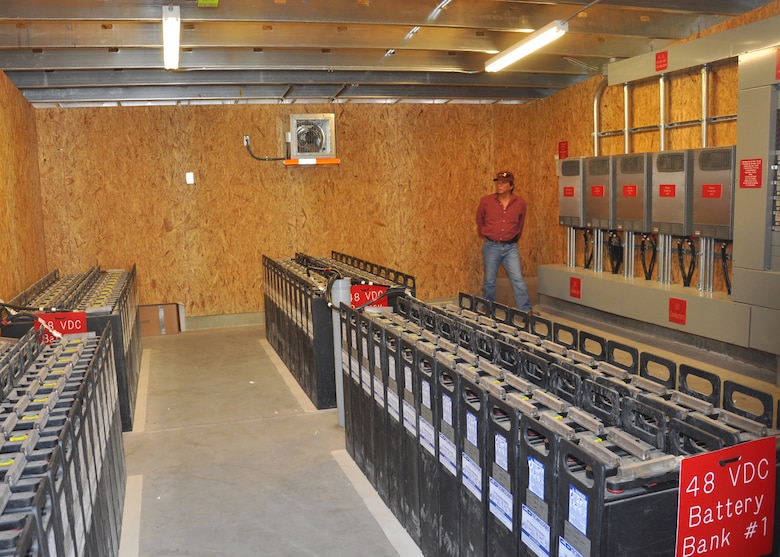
[687, 274]
[615, 251]
[648, 244]
[724, 261]
[587, 255]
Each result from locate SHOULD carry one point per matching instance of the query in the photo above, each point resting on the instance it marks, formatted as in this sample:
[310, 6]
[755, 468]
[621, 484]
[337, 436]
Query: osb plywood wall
[22, 253]
[403, 196]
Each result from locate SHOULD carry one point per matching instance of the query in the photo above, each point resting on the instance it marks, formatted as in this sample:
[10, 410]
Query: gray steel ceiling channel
[728, 44]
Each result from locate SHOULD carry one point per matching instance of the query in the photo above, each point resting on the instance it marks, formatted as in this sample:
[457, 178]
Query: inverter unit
[713, 189]
[600, 192]
[632, 199]
[671, 200]
[570, 198]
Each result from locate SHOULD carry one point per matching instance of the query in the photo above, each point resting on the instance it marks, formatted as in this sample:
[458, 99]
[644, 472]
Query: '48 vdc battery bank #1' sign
[727, 501]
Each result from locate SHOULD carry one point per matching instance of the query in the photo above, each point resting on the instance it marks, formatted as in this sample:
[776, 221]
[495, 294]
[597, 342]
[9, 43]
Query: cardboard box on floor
[161, 319]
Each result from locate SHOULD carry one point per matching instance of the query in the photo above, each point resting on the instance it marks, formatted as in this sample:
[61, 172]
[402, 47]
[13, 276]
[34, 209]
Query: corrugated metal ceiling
[96, 52]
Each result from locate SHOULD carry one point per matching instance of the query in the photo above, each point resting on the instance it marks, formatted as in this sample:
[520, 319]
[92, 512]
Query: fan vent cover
[312, 135]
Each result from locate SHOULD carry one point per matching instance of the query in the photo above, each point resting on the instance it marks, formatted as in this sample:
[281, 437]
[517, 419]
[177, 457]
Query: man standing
[500, 221]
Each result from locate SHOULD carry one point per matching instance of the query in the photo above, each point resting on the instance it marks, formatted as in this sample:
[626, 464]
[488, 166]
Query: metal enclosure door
[713, 189]
[632, 192]
[671, 205]
[570, 200]
[600, 192]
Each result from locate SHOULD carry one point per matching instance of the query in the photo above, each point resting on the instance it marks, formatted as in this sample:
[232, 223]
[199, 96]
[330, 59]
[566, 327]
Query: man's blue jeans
[495, 254]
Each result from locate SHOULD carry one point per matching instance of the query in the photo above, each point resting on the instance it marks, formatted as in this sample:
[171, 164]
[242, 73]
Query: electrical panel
[571, 202]
[713, 192]
[599, 188]
[632, 192]
[671, 195]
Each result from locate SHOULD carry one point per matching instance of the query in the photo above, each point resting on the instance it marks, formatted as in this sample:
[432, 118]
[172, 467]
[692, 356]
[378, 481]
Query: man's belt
[512, 241]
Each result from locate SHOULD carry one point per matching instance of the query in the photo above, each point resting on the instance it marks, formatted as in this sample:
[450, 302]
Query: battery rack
[299, 322]
[107, 296]
[62, 460]
[489, 432]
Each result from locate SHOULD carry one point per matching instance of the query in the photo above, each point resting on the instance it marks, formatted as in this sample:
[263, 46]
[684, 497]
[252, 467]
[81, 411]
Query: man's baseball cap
[504, 177]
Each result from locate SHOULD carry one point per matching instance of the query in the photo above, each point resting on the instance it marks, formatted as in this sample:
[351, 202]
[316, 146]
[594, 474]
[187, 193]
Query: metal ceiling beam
[270, 59]
[127, 78]
[486, 14]
[281, 92]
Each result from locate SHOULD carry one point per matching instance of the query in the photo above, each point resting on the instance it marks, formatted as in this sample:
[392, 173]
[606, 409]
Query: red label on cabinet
[712, 191]
[568, 191]
[667, 190]
[597, 191]
[750, 171]
[678, 311]
[629, 190]
[575, 287]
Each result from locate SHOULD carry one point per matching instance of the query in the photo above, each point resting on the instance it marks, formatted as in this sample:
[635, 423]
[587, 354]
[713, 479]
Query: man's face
[503, 186]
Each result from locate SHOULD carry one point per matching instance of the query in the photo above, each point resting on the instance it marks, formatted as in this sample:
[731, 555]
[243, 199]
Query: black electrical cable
[724, 261]
[615, 251]
[264, 159]
[648, 268]
[587, 256]
[687, 274]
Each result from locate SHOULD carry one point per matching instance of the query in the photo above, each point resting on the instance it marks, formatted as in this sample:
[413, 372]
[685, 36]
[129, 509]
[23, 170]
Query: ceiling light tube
[171, 23]
[531, 43]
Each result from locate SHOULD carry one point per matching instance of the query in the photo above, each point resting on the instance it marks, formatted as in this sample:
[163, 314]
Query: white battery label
[392, 405]
[448, 454]
[535, 533]
[366, 375]
[426, 394]
[446, 409]
[377, 359]
[391, 367]
[471, 428]
[472, 476]
[379, 393]
[410, 418]
[502, 451]
[408, 378]
[536, 477]
[364, 344]
[345, 362]
[578, 509]
[501, 503]
[427, 436]
[566, 550]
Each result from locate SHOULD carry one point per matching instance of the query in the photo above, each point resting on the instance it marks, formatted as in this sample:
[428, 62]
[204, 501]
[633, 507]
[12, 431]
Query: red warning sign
[727, 501]
[64, 322]
[750, 171]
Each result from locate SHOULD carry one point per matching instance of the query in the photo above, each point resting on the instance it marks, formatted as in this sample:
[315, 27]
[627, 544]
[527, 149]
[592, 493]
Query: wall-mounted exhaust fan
[312, 135]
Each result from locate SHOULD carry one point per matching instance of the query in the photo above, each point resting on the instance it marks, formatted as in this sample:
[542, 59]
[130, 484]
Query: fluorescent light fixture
[171, 23]
[531, 43]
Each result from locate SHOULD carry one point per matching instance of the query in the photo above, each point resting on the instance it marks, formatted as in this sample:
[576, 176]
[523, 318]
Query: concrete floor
[229, 458]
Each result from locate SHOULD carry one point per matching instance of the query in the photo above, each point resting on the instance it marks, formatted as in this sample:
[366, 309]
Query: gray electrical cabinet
[571, 202]
[713, 192]
[672, 189]
[599, 187]
[632, 192]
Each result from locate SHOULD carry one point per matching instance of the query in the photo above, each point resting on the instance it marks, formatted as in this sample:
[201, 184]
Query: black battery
[472, 417]
[447, 419]
[346, 324]
[365, 399]
[394, 393]
[410, 444]
[426, 386]
[379, 410]
[600, 514]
